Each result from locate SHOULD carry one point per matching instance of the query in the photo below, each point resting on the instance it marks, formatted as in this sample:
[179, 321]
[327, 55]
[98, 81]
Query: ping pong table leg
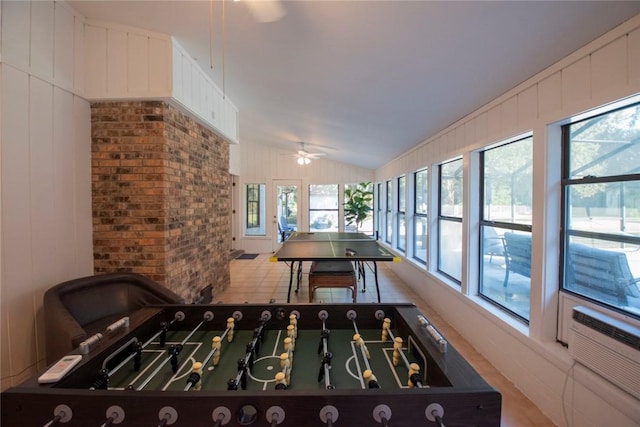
[299, 276]
[290, 280]
[375, 275]
[362, 273]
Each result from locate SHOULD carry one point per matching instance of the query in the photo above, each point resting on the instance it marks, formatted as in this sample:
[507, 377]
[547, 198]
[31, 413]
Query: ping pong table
[332, 246]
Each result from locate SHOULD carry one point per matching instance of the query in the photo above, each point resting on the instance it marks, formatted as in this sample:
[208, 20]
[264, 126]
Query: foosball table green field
[264, 365]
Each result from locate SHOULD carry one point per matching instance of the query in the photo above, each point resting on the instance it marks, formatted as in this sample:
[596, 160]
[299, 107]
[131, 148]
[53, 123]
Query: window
[323, 208]
[255, 210]
[450, 219]
[402, 218]
[601, 209]
[361, 192]
[380, 211]
[420, 216]
[506, 188]
[389, 214]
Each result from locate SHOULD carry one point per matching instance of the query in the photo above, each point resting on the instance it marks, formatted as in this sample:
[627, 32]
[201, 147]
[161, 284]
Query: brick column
[161, 196]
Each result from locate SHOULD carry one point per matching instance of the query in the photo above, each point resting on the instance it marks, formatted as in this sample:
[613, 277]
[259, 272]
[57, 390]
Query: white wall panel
[177, 87]
[63, 58]
[609, 70]
[481, 121]
[633, 45]
[44, 228]
[494, 122]
[82, 237]
[65, 184]
[137, 64]
[16, 24]
[16, 227]
[95, 55]
[576, 85]
[116, 59]
[527, 108]
[509, 119]
[41, 54]
[160, 63]
[187, 77]
[550, 96]
[78, 56]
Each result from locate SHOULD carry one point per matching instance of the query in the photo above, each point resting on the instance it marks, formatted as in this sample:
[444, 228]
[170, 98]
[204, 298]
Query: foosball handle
[434, 413]
[329, 414]
[382, 414]
[167, 416]
[275, 415]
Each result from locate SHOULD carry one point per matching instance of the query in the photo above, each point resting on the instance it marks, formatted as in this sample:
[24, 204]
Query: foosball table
[262, 365]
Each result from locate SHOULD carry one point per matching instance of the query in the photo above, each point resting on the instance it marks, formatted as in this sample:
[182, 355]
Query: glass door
[286, 210]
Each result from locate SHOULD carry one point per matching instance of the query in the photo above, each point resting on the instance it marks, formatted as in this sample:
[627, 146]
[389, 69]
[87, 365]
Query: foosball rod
[352, 316]
[207, 317]
[404, 358]
[325, 347]
[264, 318]
[178, 317]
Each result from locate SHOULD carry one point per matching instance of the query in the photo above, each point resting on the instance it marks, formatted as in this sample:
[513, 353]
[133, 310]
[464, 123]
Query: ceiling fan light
[307, 160]
[300, 161]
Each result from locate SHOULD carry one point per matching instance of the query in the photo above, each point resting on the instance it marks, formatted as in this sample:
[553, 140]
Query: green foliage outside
[358, 204]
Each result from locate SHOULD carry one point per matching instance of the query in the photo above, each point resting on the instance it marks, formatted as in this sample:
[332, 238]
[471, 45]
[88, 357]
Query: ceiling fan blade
[265, 10]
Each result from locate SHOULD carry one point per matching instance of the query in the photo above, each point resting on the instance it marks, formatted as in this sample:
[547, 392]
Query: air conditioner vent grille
[607, 329]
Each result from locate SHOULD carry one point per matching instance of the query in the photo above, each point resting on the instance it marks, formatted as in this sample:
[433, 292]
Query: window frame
[447, 218]
[566, 232]
[421, 216]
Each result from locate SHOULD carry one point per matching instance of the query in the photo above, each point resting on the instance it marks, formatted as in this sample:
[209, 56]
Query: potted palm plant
[358, 204]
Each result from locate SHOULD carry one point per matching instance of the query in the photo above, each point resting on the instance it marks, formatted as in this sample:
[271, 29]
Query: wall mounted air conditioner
[607, 346]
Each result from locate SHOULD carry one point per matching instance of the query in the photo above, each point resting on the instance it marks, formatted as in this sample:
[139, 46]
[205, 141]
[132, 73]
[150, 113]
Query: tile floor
[260, 281]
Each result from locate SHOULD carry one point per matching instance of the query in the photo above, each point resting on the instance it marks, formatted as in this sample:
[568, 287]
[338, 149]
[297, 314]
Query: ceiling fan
[304, 157]
[265, 10]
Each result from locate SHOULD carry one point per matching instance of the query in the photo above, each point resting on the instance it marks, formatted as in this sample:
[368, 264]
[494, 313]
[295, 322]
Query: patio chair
[284, 228]
[517, 249]
[601, 274]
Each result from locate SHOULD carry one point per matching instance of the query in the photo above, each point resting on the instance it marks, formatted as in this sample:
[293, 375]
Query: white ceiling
[364, 81]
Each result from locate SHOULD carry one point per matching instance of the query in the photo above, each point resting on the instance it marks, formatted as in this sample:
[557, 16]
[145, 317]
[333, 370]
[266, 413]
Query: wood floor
[260, 281]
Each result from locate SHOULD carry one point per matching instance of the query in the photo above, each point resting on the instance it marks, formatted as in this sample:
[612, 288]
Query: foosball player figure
[293, 321]
[257, 338]
[230, 326]
[101, 382]
[137, 358]
[285, 365]
[360, 343]
[414, 376]
[195, 379]
[326, 361]
[232, 384]
[216, 345]
[291, 333]
[370, 379]
[397, 346]
[242, 369]
[386, 324]
[288, 347]
[251, 351]
[324, 334]
[281, 382]
[164, 328]
[174, 351]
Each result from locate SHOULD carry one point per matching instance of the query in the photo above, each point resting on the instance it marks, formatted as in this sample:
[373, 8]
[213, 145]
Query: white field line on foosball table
[274, 354]
[358, 376]
[149, 366]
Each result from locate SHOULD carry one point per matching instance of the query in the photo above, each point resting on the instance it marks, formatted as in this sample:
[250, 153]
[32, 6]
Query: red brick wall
[161, 196]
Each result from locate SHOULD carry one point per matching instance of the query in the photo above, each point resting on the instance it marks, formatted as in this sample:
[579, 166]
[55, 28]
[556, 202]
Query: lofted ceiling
[364, 81]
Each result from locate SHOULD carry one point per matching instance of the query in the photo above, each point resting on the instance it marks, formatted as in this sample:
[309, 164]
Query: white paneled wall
[604, 71]
[45, 176]
[130, 63]
[126, 63]
[197, 93]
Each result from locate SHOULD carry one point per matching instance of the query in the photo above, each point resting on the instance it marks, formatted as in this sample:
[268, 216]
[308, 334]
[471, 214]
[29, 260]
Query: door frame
[273, 207]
